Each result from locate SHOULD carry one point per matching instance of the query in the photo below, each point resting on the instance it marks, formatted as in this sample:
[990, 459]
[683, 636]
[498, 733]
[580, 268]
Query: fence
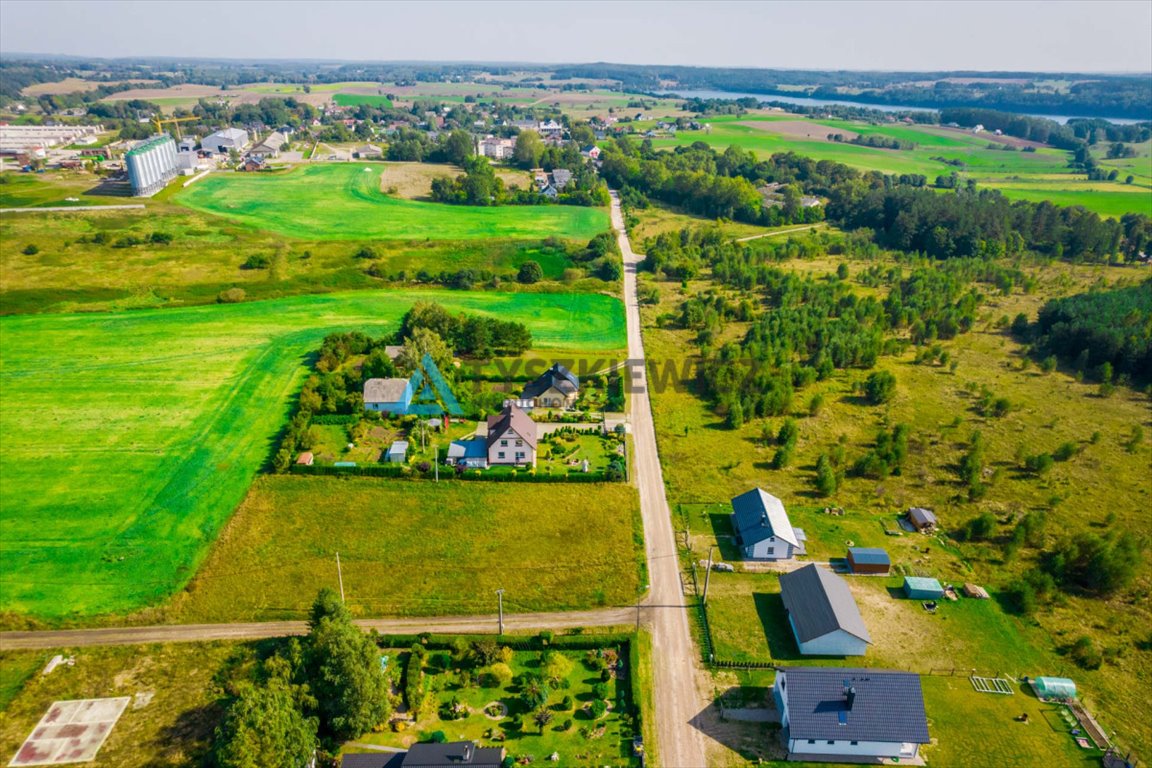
[448, 475]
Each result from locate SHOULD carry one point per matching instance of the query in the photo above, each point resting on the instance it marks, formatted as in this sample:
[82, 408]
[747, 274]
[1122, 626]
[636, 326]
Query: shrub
[437, 737]
[256, 261]
[1039, 464]
[530, 272]
[231, 296]
[980, 528]
[161, 238]
[31, 250]
[1065, 451]
[597, 709]
[365, 252]
[496, 675]
[1085, 653]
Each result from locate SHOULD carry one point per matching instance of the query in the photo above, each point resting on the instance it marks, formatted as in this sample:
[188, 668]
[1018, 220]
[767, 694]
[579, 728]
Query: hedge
[447, 474]
[336, 418]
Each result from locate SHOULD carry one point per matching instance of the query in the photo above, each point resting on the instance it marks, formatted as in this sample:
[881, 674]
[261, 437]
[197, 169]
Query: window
[500, 455]
[811, 741]
[519, 443]
[519, 455]
[503, 443]
[831, 741]
[771, 550]
[854, 743]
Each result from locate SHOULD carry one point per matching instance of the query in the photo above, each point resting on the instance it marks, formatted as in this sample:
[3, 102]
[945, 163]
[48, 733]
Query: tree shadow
[755, 742]
[190, 733]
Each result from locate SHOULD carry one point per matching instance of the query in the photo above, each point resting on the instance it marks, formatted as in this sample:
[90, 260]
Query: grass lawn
[658, 218]
[956, 712]
[138, 433]
[585, 740]
[418, 548]
[343, 201]
[16, 667]
[174, 729]
[52, 189]
[706, 463]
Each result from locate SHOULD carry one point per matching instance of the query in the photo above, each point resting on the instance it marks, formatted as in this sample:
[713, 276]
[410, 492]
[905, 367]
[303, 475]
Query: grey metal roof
[819, 603]
[921, 516]
[869, 556]
[452, 755]
[557, 376]
[515, 419]
[384, 390]
[758, 515]
[373, 760]
[886, 706]
[398, 446]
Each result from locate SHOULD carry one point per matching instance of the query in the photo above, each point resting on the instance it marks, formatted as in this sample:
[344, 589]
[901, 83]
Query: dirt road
[674, 657]
[177, 633]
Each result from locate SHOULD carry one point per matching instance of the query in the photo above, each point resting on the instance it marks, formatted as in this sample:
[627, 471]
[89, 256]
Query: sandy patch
[799, 129]
[1010, 141]
[72, 85]
[413, 181]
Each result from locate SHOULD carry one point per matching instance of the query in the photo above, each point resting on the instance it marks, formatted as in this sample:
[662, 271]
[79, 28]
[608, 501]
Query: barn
[869, 560]
[921, 588]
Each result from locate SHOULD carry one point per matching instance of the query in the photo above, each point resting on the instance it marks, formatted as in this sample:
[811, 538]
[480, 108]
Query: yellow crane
[174, 121]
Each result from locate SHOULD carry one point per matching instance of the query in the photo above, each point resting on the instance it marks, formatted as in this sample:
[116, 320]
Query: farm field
[31, 190]
[131, 449]
[358, 99]
[658, 218]
[939, 406]
[173, 730]
[344, 202]
[1011, 171]
[418, 548]
[84, 260]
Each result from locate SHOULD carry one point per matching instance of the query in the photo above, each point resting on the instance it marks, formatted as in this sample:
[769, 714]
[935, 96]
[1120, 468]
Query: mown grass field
[1105, 485]
[358, 99]
[344, 202]
[1043, 174]
[35, 190]
[129, 438]
[173, 730]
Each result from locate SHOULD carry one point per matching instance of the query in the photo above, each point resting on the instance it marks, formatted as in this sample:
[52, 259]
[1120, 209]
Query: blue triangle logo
[435, 398]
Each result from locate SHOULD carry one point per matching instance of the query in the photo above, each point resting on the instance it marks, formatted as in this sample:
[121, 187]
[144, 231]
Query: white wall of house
[554, 398]
[511, 448]
[772, 548]
[838, 643]
[848, 747]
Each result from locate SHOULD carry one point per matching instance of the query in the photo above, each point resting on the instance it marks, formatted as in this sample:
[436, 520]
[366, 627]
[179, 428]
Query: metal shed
[868, 560]
[1054, 688]
[398, 452]
[921, 588]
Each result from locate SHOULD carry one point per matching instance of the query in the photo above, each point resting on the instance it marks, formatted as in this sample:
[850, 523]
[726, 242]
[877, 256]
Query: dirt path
[180, 633]
[673, 654]
[777, 234]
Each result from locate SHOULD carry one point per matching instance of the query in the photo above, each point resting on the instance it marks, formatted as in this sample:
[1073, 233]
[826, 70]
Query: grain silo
[151, 164]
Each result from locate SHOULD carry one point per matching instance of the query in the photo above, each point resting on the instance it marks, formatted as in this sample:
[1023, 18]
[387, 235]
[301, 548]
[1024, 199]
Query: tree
[879, 387]
[264, 726]
[458, 147]
[424, 342]
[530, 272]
[542, 717]
[343, 667]
[556, 667]
[826, 480]
[529, 149]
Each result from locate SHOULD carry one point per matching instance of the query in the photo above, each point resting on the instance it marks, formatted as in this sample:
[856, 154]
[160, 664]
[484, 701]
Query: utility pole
[708, 575]
[500, 603]
[340, 576]
[436, 460]
[637, 614]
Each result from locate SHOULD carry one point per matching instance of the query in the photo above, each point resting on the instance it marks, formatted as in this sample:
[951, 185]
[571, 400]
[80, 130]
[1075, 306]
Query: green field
[1014, 172]
[358, 99]
[137, 433]
[36, 190]
[343, 201]
[418, 548]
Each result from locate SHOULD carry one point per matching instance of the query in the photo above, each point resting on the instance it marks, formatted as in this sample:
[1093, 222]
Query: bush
[496, 675]
[1065, 451]
[980, 528]
[31, 250]
[530, 272]
[161, 238]
[365, 252]
[256, 261]
[1039, 464]
[597, 709]
[880, 387]
[1085, 653]
[231, 296]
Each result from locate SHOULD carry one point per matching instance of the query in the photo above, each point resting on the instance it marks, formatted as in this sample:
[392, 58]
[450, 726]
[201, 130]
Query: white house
[763, 531]
[849, 715]
[511, 438]
[822, 613]
[222, 141]
[555, 388]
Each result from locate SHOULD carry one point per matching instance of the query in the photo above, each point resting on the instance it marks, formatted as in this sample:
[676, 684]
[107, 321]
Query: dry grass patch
[413, 181]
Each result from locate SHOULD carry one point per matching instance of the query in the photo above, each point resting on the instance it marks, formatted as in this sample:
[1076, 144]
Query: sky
[917, 35]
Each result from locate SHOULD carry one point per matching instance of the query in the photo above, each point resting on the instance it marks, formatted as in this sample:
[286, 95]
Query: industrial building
[20, 138]
[222, 141]
[151, 164]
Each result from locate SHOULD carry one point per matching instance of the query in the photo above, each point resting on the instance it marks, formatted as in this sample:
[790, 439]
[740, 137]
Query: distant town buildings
[23, 138]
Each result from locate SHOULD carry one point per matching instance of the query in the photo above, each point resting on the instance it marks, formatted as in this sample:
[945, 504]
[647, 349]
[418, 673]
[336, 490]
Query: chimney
[850, 695]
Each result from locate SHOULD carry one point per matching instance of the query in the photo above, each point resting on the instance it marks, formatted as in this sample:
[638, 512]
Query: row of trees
[479, 185]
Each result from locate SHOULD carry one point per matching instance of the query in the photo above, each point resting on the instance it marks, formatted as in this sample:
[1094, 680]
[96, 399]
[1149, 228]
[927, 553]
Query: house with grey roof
[392, 396]
[850, 715]
[822, 613]
[763, 531]
[431, 755]
[511, 438]
[561, 177]
[222, 141]
[555, 388]
[923, 520]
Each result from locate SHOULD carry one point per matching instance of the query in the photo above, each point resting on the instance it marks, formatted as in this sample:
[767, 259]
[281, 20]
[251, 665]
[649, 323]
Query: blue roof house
[822, 613]
[393, 396]
[850, 715]
[763, 531]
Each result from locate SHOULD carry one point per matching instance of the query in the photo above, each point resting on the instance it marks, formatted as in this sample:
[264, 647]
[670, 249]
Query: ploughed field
[129, 437]
[344, 201]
